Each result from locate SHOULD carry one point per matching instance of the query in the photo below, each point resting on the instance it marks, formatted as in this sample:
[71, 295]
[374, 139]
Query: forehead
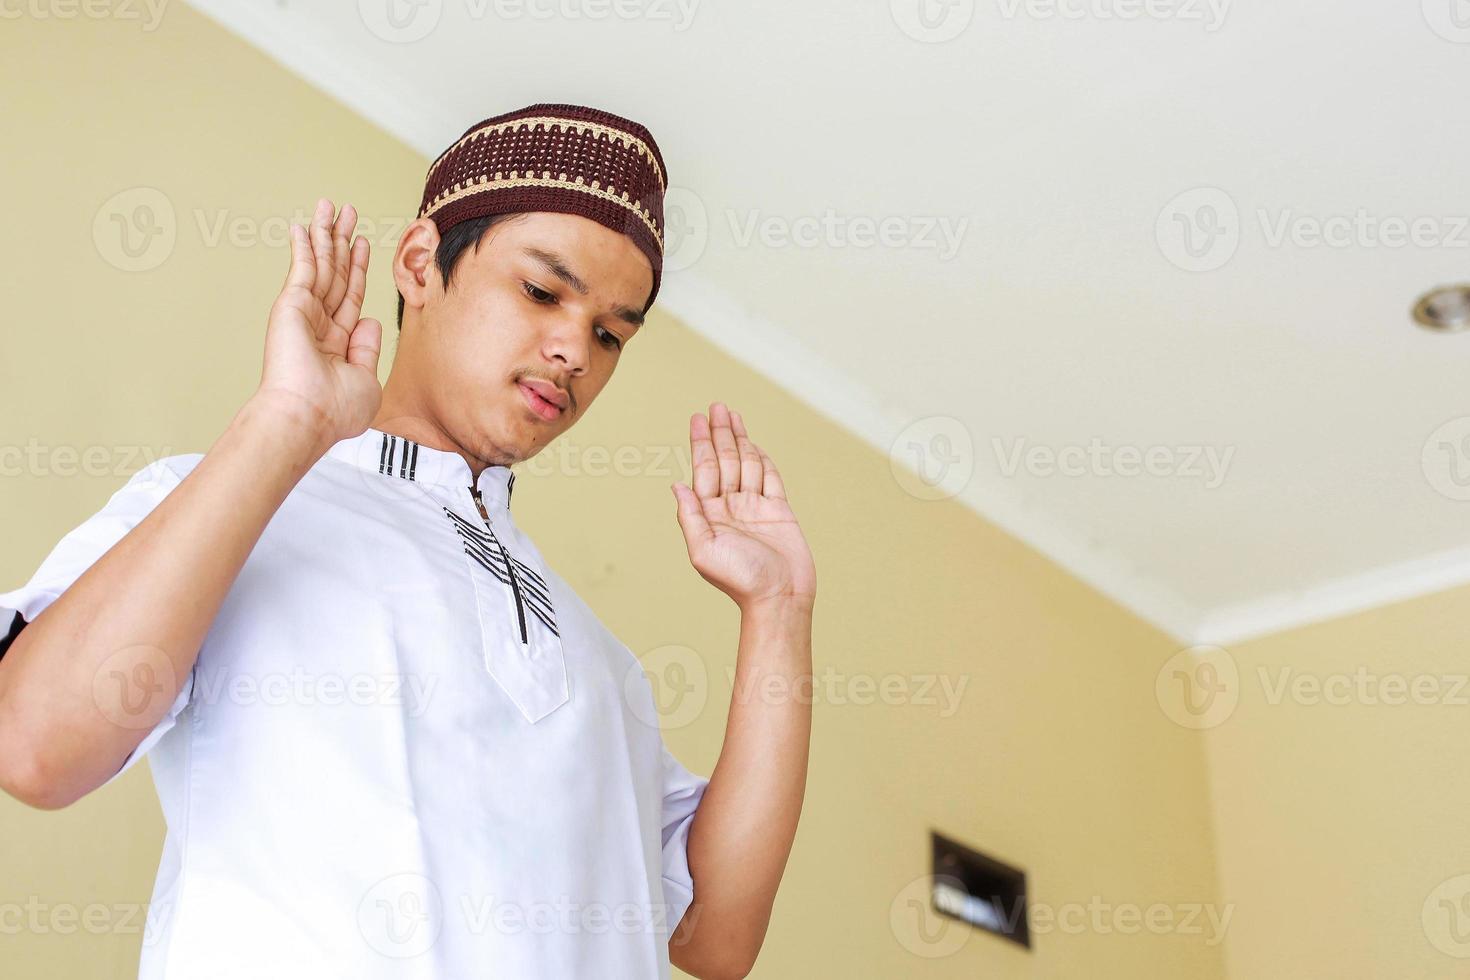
[604, 262]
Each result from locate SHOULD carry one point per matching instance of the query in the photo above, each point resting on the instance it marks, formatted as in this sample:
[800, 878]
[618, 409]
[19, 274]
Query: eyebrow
[557, 266]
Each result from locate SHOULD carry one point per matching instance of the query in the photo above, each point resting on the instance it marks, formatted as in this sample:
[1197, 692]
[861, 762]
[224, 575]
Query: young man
[388, 739]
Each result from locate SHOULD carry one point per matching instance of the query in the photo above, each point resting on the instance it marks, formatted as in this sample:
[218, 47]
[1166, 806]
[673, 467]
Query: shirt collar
[396, 457]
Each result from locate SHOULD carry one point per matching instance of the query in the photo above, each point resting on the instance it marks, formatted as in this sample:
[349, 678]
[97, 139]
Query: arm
[745, 824]
[143, 608]
[743, 539]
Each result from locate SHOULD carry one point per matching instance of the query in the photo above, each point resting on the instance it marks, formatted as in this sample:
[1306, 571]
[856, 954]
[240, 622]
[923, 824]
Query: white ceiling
[1058, 146]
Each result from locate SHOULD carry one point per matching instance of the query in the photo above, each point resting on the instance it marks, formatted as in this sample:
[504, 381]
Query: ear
[414, 271]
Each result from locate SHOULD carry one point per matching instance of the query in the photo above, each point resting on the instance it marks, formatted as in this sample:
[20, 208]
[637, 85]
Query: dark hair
[452, 245]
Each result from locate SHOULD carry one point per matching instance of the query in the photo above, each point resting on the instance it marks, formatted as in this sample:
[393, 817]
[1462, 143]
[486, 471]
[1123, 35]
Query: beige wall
[1342, 799]
[1056, 757]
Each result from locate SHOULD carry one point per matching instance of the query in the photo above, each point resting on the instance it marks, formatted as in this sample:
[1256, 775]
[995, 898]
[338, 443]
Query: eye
[607, 338]
[610, 340]
[536, 292]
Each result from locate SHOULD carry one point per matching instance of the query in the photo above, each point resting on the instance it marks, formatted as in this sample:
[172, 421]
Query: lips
[542, 405]
[547, 391]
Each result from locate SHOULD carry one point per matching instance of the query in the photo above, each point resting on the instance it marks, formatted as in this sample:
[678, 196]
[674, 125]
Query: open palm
[740, 531]
[317, 351]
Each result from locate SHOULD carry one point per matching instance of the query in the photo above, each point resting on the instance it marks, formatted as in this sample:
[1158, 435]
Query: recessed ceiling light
[1445, 308]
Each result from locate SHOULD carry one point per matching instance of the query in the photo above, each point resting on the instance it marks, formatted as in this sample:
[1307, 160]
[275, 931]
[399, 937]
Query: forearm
[142, 610]
[743, 829]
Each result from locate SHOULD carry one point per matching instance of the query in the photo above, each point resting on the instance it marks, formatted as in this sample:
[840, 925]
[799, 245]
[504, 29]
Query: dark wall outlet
[975, 888]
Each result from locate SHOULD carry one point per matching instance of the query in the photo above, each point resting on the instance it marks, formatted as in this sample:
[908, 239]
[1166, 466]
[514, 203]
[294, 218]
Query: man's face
[548, 301]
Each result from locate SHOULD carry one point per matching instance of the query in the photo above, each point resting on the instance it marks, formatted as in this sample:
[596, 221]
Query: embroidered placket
[526, 660]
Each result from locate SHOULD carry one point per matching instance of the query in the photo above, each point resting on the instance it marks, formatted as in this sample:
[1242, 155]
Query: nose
[567, 345]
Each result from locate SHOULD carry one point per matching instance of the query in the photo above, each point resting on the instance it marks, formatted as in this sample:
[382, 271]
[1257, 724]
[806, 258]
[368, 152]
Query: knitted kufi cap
[555, 157]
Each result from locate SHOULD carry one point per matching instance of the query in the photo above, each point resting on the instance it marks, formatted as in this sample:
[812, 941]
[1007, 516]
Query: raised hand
[741, 533]
[319, 357]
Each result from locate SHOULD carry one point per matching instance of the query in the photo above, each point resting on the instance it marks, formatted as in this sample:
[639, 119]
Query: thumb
[365, 344]
[690, 514]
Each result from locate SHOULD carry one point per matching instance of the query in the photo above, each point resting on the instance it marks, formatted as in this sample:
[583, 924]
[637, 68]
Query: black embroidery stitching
[485, 547]
[408, 461]
[493, 543]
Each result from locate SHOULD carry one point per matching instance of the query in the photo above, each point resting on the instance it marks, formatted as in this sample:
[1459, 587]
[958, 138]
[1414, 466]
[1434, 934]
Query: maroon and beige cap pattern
[555, 157]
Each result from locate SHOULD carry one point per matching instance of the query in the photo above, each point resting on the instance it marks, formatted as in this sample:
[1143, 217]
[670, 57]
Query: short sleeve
[683, 791]
[77, 550]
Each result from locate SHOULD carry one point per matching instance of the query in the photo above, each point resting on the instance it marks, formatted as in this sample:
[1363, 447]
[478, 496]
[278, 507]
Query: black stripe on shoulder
[16, 625]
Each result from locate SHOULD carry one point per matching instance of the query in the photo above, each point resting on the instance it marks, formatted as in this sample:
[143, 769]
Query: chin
[489, 441]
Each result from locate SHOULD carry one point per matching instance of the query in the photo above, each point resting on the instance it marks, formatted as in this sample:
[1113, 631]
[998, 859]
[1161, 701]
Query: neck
[403, 412]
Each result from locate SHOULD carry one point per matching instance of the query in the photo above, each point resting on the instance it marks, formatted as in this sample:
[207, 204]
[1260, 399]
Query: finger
[346, 224]
[301, 272]
[321, 247]
[365, 344]
[751, 476]
[351, 306]
[725, 451]
[706, 479]
[341, 254]
[773, 485]
[691, 517]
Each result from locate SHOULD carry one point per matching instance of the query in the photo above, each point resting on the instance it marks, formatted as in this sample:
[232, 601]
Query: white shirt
[393, 758]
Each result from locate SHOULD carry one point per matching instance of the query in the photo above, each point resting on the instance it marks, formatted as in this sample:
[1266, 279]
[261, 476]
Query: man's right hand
[147, 602]
[321, 360]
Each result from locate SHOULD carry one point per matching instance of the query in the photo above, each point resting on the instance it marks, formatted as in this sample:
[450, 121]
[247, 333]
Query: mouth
[545, 408]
